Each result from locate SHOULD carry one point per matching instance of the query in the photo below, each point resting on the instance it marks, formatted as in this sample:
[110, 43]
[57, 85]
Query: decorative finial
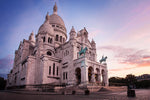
[93, 40]
[32, 33]
[73, 28]
[55, 9]
[31, 37]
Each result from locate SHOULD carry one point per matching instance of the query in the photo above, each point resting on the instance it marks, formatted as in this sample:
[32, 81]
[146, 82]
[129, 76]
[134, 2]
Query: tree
[117, 81]
[131, 80]
[2, 83]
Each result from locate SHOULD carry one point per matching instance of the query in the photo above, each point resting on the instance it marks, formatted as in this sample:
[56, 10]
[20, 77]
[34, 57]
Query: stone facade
[49, 59]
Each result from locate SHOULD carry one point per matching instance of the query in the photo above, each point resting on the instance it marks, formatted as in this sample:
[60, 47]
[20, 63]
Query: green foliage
[129, 80]
[117, 81]
[143, 84]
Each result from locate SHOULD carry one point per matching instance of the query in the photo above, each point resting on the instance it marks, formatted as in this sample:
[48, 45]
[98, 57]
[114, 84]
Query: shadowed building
[49, 59]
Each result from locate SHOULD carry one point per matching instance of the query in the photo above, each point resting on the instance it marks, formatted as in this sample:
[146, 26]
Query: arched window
[43, 39]
[49, 53]
[57, 37]
[49, 70]
[53, 68]
[57, 70]
[49, 40]
[60, 38]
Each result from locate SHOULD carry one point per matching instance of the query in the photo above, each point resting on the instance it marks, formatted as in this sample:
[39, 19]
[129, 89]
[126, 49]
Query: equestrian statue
[82, 51]
[103, 59]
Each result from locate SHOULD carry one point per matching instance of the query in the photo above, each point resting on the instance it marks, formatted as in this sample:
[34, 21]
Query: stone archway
[78, 75]
[103, 77]
[90, 73]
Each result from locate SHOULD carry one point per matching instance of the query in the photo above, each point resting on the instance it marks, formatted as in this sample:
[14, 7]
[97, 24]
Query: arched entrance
[78, 75]
[103, 77]
[90, 71]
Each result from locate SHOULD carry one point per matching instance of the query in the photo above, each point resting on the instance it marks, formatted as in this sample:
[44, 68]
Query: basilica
[52, 58]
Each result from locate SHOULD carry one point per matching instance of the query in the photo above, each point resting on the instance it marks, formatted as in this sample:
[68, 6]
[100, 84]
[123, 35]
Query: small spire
[31, 37]
[32, 33]
[73, 30]
[72, 33]
[92, 41]
[84, 29]
[47, 16]
[55, 9]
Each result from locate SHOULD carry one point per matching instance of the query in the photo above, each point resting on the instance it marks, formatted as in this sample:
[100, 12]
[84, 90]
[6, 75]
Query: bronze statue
[82, 51]
[103, 59]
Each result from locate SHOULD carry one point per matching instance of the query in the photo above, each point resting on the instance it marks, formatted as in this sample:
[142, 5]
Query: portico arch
[78, 75]
[90, 73]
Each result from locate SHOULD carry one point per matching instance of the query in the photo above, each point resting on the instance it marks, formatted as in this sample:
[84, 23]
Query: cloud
[146, 57]
[129, 56]
[6, 65]
[121, 69]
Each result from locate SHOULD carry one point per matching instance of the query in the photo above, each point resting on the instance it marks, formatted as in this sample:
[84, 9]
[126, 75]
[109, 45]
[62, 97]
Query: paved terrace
[141, 94]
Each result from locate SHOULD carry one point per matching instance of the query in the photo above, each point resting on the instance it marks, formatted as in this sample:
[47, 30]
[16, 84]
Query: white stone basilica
[51, 60]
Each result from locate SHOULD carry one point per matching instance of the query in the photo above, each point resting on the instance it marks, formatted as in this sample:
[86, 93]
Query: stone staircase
[69, 90]
[79, 89]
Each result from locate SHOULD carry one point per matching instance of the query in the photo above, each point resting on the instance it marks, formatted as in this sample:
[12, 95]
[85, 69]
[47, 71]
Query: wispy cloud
[129, 56]
[121, 69]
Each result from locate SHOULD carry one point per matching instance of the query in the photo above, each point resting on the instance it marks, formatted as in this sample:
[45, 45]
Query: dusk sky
[120, 28]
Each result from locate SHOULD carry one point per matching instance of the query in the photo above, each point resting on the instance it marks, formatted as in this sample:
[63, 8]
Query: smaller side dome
[46, 27]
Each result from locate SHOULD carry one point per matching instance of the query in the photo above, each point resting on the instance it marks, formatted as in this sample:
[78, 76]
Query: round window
[49, 53]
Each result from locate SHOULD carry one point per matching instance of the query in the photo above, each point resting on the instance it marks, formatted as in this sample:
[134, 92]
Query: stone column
[93, 78]
[84, 75]
[99, 78]
[106, 79]
[103, 81]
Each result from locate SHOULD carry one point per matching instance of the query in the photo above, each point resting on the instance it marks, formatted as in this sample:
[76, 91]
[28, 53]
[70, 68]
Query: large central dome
[55, 19]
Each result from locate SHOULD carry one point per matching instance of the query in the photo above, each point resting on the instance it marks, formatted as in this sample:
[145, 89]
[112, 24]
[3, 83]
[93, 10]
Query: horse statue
[103, 59]
[82, 51]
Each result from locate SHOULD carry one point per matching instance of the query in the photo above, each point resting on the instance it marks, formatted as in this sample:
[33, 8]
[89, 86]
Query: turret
[31, 38]
[93, 44]
[72, 33]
